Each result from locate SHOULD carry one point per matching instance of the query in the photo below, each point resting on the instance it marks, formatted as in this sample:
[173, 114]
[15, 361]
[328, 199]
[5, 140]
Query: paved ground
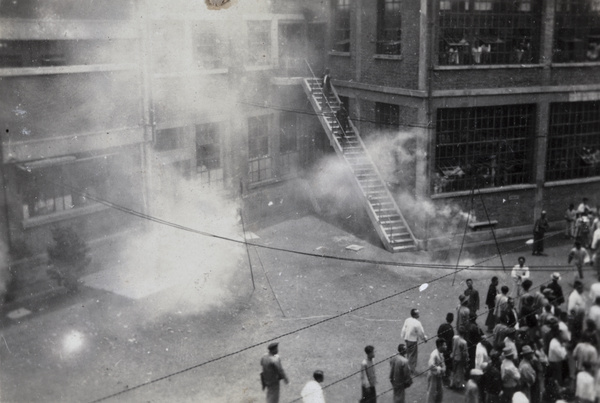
[108, 342]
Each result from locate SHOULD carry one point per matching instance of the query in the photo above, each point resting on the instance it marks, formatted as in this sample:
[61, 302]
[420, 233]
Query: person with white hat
[472, 394]
[558, 298]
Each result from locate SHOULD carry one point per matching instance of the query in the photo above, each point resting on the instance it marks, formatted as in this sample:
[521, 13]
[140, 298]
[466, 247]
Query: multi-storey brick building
[502, 99]
[107, 97]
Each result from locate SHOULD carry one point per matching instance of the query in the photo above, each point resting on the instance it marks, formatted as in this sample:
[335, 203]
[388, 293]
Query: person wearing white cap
[558, 298]
[472, 394]
[519, 397]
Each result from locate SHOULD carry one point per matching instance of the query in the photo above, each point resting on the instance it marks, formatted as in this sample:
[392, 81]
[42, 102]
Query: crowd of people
[537, 345]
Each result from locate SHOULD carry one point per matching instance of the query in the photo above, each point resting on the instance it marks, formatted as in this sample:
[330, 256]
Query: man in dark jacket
[446, 332]
[490, 302]
[272, 373]
[539, 231]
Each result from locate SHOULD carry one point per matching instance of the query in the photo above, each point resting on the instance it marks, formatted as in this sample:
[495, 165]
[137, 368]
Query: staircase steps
[381, 206]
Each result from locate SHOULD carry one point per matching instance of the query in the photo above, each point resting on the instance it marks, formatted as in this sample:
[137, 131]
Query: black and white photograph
[300, 201]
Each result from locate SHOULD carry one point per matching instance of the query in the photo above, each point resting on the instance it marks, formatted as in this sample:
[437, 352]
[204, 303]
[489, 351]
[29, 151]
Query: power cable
[292, 251]
[351, 310]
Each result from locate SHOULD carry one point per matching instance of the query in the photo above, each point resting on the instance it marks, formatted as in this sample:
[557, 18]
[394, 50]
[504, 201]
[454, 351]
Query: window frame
[342, 25]
[260, 161]
[483, 147]
[259, 50]
[389, 38]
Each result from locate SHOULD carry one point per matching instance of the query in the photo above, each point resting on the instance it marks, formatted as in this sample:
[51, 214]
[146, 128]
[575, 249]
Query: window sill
[338, 53]
[70, 69]
[62, 215]
[266, 182]
[261, 67]
[388, 57]
[572, 181]
[483, 191]
[488, 66]
[576, 64]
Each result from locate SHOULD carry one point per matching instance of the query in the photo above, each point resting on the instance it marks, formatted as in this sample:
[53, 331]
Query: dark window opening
[389, 24]
[341, 39]
[259, 158]
[206, 47]
[483, 147]
[577, 31]
[208, 154]
[167, 139]
[387, 116]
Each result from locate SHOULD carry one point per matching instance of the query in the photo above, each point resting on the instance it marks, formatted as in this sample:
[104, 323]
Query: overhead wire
[351, 310]
[281, 249]
[454, 327]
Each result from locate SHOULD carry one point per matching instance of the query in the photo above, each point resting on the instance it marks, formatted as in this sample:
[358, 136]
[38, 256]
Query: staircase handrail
[389, 194]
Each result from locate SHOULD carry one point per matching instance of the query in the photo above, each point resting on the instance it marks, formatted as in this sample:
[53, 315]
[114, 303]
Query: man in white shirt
[585, 385]
[312, 391]
[519, 273]
[594, 313]
[411, 333]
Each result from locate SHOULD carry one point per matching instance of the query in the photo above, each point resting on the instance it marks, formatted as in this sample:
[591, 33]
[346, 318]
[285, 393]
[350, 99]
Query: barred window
[483, 147]
[259, 43]
[208, 154]
[573, 141]
[387, 116]
[259, 158]
[389, 32]
[577, 31]
[341, 40]
[488, 32]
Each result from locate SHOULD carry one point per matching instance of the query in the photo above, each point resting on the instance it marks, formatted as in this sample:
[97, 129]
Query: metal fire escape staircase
[381, 206]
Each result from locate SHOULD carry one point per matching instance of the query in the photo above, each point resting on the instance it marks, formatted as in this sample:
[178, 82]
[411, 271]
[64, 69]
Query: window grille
[573, 141]
[288, 143]
[259, 43]
[389, 27]
[341, 40]
[483, 147]
[577, 31]
[259, 158]
[488, 32]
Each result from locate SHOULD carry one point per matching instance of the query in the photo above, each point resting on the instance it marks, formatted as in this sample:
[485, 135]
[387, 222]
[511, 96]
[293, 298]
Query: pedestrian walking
[570, 217]
[490, 302]
[583, 228]
[368, 377]
[519, 273]
[509, 315]
[272, 373]
[400, 376]
[460, 359]
[539, 231]
[579, 256]
[576, 307]
[585, 389]
[446, 332]
[501, 303]
[411, 333]
[491, 382]
[462, 312]
[472, 297]
[312, 392]
[557, 297]
[437, 370]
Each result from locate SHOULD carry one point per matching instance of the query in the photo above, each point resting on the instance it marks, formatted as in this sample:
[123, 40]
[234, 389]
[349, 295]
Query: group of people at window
[478, 51]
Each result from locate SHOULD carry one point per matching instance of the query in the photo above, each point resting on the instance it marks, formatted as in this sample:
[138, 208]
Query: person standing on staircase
[326, 83]
[342, 117]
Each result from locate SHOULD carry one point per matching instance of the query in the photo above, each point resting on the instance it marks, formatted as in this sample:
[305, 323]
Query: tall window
[259, 157]
[206, 46]
[475, 32]
[288, 142]
[208, 154]
[259, 43]
[389, 32]
[387, 116]
[341, 25]
[577, 31]
[49, 189]
[573, 141]
[483, 147]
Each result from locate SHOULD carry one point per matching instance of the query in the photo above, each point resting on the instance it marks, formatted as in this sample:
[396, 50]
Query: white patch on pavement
[18, 313]
[355, 248]
[423, 287]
